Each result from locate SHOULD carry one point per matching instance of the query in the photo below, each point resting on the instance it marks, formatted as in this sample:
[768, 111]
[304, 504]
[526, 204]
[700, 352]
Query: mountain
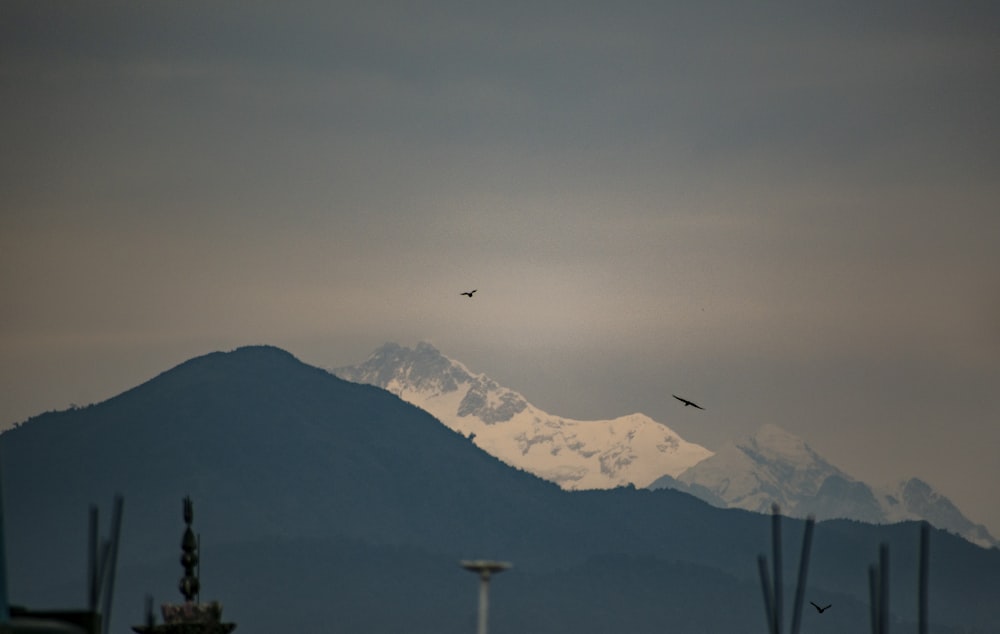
[768, 467]
[773, 466]
[915, 499]
[575, 454]
[327, 505]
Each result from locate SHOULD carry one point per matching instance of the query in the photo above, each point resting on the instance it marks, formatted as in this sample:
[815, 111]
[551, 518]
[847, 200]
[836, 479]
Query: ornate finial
[189, 585]
[192, 616]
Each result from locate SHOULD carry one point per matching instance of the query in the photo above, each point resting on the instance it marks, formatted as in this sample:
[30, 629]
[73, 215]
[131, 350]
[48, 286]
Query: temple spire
[189, 584]
[192, 616]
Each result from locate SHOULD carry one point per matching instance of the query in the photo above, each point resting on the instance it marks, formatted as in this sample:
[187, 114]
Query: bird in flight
[819, 609]
[687, 402]
[469, 293]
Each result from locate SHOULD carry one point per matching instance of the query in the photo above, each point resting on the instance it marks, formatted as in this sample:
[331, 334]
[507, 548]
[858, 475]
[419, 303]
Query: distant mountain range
[594, 454]
[325, 505]
[771, 466]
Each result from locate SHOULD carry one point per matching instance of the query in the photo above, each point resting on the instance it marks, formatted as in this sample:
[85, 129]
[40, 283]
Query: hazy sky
[788, 213]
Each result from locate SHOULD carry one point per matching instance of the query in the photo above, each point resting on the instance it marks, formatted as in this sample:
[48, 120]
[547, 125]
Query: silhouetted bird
[469, 293]
[687, 402]
[819, 609]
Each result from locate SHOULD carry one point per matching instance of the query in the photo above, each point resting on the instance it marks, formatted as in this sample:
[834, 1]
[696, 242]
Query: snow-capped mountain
[773, 466]
[770, 467]
[575, 454]
[767, 467]
[915, 499]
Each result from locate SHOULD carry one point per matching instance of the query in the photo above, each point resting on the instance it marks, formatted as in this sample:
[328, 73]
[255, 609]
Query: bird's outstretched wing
[687, 402]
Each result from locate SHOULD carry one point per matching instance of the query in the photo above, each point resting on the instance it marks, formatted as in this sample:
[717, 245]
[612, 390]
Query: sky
[785, 211]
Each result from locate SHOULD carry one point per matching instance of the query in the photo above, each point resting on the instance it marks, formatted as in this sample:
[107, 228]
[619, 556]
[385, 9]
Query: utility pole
[485, 569]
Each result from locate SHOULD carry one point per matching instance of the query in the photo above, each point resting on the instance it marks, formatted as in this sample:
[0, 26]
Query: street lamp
[485, 569]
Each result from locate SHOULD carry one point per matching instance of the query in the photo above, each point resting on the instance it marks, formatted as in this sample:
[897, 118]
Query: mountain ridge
[772, 466]
[632, 449]
[321, 501]
[769, 466]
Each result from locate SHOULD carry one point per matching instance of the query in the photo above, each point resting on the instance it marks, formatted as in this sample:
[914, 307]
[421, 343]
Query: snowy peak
[632, 449]
[789, 463]
[424, 371]
[772, 443]
[772, 466]
[915, 499]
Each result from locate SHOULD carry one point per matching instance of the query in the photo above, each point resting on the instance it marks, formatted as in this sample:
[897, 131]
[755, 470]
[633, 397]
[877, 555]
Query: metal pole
[873, 597]
[4, 605]
[800, 588]
[484, 600]
[150, 616]
[197, 572]
[883, 589]
[93, 571]
[485, 569]
[776, 547]
[765, 583]
[112, 562]
[922, 578]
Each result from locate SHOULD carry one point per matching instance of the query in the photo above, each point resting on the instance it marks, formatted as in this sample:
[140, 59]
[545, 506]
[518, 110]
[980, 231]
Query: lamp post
[485, 569]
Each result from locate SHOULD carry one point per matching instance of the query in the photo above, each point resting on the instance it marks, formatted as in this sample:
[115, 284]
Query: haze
[786, 213]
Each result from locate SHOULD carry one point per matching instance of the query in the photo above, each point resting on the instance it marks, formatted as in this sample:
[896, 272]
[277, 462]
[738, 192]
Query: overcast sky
[787, 213]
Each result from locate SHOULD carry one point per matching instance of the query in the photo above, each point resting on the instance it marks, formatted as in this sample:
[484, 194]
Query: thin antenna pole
[93, 572]
[150, 616]
[873, 597]
[922, 578]
[765, 584]
[116, 528]
[883, 588]
[4, 605]
[197, 570]
[800, 588]
[776, 547]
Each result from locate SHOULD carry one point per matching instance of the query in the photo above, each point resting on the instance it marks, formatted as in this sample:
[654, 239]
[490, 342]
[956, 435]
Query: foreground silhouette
[469, 293]
[819, 609]
[687, 402]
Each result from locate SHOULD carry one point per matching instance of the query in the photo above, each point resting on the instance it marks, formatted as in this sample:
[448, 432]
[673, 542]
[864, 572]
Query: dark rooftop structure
[191, 616]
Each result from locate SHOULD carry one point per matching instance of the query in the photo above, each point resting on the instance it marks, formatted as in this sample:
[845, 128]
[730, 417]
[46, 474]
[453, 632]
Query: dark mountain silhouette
[324, 504]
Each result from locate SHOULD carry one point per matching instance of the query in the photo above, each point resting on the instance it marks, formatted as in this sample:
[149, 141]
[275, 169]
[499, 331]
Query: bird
[819, 609]
[469, 293]
[687, 402]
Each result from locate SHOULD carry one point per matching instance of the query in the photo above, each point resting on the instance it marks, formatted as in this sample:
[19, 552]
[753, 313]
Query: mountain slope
[770, 466]
[915, 499]
[575, 454]
[306, 444]
[320, 502]
[773, 466]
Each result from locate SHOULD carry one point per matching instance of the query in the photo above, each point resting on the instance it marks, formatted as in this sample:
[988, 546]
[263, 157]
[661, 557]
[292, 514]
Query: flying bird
[819, 609]
[469, 293]
[687, 402]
